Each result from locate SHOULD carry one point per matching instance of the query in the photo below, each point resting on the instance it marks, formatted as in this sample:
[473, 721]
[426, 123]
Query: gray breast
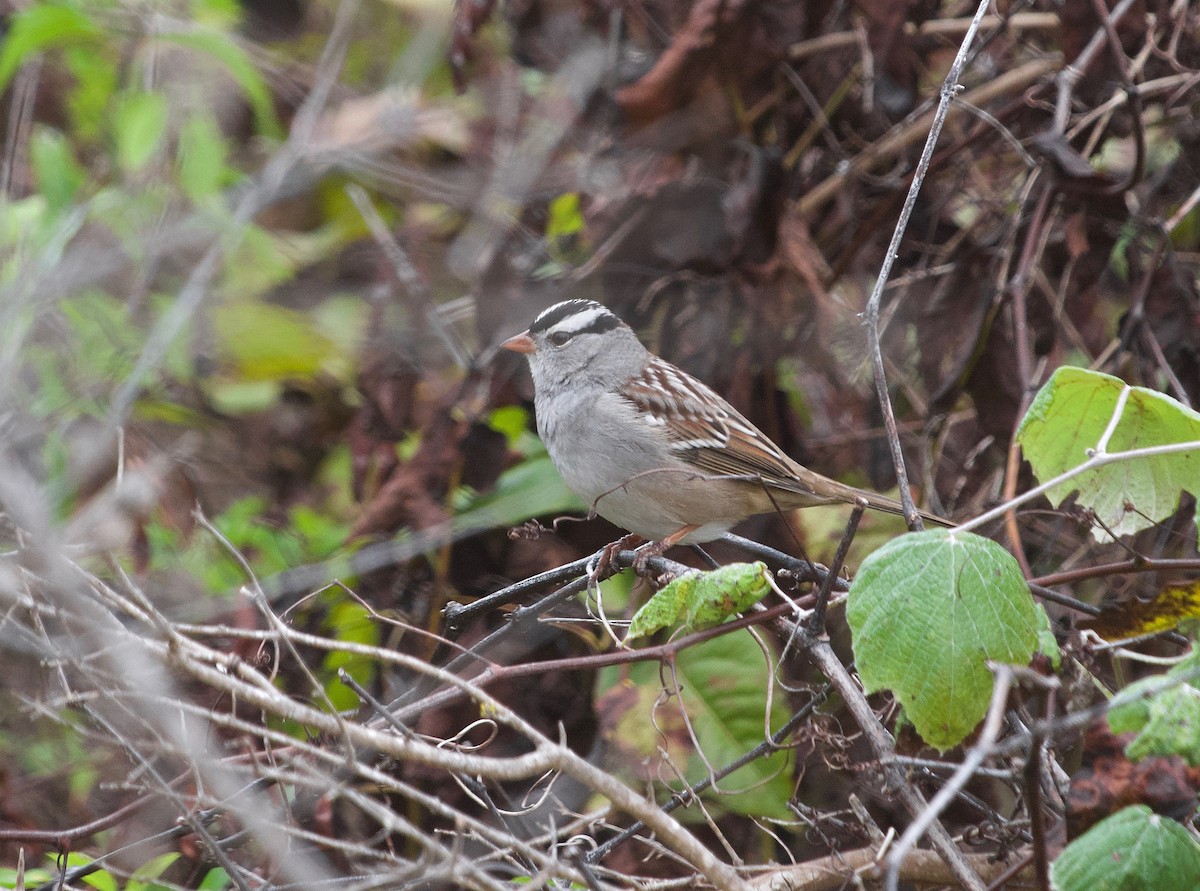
[599, 443]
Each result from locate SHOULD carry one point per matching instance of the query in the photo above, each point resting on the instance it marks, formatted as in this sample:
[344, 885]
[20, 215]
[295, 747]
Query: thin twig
[909, 133]
[910, 797]
[1017, 290]
[816, 623]
[679, 799]
[945, 795]
[1092, 463]
[1071, 74]
[950, 88]
[1022, 21]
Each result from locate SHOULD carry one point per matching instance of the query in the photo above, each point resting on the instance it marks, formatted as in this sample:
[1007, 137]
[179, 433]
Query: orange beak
[521, 343]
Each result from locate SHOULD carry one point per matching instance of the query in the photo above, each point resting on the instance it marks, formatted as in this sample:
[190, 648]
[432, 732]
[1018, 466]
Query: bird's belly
[635, 482]
[651, 508]
[650, 501]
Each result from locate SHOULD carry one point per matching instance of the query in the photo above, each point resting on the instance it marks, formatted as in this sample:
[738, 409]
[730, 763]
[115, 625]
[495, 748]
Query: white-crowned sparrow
[651, 448]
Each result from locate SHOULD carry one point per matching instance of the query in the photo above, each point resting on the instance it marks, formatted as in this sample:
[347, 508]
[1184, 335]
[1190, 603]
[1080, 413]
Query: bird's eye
[559, 338]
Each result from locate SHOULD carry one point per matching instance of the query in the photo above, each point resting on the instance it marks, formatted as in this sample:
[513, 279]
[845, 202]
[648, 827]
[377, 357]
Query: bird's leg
[658, 548]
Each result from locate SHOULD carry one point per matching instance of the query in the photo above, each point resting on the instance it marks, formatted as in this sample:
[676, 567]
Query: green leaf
[321, 533]
[266, 342]
[723, 685]
[1047, 643]
[94, 71]
[139, 123]
[1167, 721]
[565, 217]
[512, 421]
[928, 611]
[33, 877]
[531, 489]
[1132, 715]
[1186, 234]
[50, 753]
[1172, 728]
[215, 879]
[40, 27]
[349, 622]
[262, 259]
[700, 600]
[59, 176]
[236, 397]
[245, 525]
[1068, 418]
[101, 879]
[226, 14]
[201, 158]
[1132, 850]
[151, 869]
[237, 62]
[1118, 257]
[96, 349]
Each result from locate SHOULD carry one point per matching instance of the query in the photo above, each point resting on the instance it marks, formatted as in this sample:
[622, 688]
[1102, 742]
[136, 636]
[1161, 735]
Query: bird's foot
[646, 553]
[608, 556]
[641, 563]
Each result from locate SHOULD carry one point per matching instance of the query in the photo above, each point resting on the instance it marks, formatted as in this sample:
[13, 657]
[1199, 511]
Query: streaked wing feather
[708, 432]
[705, 429]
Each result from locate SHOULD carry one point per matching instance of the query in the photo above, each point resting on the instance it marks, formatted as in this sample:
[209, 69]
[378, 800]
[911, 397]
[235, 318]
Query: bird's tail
[891, 506]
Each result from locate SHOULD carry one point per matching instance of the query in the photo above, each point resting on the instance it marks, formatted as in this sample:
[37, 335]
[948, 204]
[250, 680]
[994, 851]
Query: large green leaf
[723, 689]
[928, 611]
[1133, 850]
[1067, 421]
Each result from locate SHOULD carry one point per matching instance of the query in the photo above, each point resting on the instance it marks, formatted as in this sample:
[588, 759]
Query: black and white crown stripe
[575, 317]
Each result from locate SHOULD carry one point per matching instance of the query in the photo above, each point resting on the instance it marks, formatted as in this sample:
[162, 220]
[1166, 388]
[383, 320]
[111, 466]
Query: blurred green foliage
[305, 536]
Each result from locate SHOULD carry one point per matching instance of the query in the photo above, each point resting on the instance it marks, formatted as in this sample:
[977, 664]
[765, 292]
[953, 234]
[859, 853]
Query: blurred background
[257, 257]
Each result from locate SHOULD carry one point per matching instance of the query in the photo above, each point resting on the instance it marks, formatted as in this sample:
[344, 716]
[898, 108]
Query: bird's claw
[608, 556]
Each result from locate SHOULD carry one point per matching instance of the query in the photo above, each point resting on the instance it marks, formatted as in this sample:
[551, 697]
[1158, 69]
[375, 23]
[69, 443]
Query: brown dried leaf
[1075, 231]
[1174, 604]
[1109, 781]
[681, 72]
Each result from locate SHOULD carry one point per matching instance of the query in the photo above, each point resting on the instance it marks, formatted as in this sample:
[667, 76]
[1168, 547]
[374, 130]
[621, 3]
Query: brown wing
[706, 430]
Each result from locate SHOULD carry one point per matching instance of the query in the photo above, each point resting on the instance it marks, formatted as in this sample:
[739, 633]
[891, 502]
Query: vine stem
[1096, 461]
[950, 88]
